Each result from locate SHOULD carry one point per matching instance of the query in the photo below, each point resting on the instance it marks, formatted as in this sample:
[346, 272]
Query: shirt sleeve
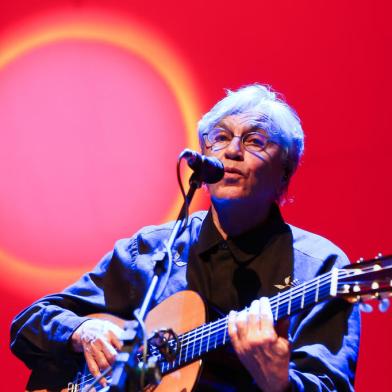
[325, 342]
[40, 334]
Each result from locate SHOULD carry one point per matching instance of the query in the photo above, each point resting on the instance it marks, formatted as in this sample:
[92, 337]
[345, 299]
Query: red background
[331, 60]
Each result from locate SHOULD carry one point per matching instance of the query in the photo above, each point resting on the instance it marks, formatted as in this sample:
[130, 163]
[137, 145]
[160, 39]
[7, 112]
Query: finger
[231, 327]
[268, 332]
[241, 323]
[254, 315]
[114, 340]
[97, 352]
[265, 309]
[110, 352]
[93, 367]
[233, 332]
[266, 318]
[281, 347]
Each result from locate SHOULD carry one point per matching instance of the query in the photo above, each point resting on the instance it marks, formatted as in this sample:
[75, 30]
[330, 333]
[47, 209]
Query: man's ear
[285, 177]
[284, 182]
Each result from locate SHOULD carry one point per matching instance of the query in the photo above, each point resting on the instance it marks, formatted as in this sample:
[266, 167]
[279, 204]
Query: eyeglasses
[219, 138]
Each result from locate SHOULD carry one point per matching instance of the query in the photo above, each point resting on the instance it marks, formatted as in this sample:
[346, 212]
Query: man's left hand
[263, 353]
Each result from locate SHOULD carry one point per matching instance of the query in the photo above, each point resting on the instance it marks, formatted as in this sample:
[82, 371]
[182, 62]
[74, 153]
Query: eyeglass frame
[244, 135]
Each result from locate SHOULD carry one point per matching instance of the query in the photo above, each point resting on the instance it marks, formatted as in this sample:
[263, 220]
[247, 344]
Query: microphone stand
[127, 370]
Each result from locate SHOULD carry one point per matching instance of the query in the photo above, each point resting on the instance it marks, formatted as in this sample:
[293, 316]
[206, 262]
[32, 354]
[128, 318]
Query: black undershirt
[229, 274]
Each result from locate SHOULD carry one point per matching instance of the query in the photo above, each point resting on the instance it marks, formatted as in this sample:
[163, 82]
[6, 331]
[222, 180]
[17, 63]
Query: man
[239, 251]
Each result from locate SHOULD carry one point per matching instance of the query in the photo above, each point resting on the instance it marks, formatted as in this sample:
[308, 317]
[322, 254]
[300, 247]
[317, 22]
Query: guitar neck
[208, 337]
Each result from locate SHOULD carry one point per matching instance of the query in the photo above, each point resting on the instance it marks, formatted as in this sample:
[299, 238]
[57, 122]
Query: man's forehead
[244, 120]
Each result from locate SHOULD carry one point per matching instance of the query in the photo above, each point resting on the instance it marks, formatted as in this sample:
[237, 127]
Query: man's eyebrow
[252, 128]
[255, 128]
[221, 124]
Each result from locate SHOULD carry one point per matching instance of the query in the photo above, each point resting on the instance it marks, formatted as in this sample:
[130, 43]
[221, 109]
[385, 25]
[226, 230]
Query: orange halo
[96, 25]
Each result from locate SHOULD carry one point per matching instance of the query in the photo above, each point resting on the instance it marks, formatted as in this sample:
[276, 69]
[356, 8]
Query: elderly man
[238, 251]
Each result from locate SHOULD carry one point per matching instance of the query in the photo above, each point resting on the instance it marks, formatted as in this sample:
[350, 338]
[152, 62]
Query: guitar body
[181, 312]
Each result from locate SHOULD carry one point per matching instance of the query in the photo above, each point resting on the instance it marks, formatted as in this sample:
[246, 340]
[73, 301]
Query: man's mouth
[234, 170]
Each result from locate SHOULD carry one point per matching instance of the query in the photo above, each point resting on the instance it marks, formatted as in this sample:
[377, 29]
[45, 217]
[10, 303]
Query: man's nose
[235, 149]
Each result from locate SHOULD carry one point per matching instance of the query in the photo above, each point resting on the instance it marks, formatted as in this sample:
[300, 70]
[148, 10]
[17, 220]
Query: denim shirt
[324, 339]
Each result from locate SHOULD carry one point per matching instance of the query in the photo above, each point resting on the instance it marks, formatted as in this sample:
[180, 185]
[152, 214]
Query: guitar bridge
[166, 342]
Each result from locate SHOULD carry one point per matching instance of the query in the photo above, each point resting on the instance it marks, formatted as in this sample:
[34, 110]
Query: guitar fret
[180, 343]
[208, 337]
[303, 297]
[186, 350]
[289, 304]
[193, 347]
[283, 309]
[224, 331]
[216, 333]
[200, 339]
[277, 307]
[317, 289]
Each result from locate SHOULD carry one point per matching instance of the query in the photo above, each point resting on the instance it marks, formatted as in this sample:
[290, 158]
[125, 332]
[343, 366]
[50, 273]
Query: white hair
[269, 111]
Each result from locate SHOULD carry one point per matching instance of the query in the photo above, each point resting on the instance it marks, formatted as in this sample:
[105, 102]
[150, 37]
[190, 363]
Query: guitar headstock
[367, 280]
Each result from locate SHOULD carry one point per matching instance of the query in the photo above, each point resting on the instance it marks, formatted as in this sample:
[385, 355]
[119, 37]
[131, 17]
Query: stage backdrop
[97, 99]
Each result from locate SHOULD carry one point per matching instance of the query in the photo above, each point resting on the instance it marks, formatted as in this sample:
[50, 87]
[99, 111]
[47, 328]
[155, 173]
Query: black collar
[246, 246]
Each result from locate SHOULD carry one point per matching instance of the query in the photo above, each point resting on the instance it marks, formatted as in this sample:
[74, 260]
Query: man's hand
[99, 341]
[264, 354]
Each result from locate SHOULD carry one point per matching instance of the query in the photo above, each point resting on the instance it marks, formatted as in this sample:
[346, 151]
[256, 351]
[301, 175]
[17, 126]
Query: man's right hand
[99, 341]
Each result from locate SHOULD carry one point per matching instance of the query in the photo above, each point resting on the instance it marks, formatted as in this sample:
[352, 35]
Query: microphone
[209, 169]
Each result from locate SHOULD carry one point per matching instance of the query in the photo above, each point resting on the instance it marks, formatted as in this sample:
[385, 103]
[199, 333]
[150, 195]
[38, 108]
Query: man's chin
[229, 195]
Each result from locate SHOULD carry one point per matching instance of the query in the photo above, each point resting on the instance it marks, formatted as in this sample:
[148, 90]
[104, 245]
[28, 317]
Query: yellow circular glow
[123, 33]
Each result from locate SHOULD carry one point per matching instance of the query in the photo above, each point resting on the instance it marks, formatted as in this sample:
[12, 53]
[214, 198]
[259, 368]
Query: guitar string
[187, 340]
[216, 327]
[282, 298]
[294, 299]
[210, 329]
[291, 295]
[201, 345]
[214, 330]
[218, 324]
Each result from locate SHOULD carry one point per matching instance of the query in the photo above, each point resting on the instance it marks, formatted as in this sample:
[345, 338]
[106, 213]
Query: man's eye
[257, 140]
[219, 136]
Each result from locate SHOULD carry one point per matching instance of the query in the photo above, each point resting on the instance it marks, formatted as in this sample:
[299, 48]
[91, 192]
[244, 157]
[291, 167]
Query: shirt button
[223, 245]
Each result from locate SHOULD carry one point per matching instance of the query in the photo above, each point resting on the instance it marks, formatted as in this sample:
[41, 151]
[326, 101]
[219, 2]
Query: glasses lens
[255, 141]
[219, 138]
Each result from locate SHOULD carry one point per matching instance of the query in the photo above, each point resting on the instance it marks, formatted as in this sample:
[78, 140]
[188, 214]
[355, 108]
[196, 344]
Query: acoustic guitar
[185, 314]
